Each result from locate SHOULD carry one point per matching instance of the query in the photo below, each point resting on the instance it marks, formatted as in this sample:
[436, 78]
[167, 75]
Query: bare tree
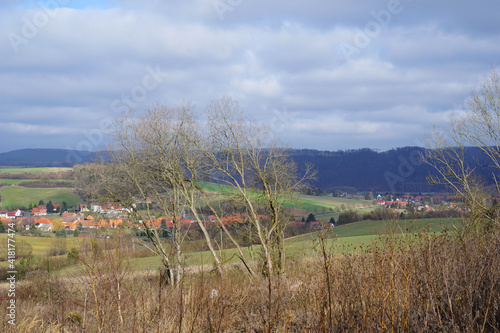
[237, 154]
[148, 158]
[479, 127]
[167, 154]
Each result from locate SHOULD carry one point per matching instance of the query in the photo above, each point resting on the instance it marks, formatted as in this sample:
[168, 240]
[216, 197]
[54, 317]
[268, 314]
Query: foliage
[404, 284]
[310, 218]
[347, 216]
[57, 225]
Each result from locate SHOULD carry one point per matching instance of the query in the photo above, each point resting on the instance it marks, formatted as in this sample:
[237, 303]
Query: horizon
[291, 148]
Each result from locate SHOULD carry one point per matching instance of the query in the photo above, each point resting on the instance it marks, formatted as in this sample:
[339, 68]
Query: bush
[348, 216]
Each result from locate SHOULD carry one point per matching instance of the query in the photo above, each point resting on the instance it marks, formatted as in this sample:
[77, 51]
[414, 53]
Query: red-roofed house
[11, 215]
[39, 211]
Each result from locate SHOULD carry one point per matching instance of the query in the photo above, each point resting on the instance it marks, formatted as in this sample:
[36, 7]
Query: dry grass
[423, 283]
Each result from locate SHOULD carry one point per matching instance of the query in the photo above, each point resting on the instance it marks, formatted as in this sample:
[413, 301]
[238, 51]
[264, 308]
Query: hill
[395, 170]
[45, 157]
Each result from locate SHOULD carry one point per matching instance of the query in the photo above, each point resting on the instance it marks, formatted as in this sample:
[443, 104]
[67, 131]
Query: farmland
[32, 170]
[13, 195]
[346, 238]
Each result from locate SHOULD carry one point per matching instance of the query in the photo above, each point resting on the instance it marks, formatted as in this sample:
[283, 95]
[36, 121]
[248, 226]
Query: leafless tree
[478, 127]
[147, 159]
[239, 155]
[167, 154]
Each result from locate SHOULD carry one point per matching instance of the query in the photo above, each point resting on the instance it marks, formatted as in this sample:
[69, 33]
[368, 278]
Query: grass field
[42, 245]
[328, 204]
[348, 238]
[15, 196]
[18, 196]
[12, 181]
[314, 204]
[32, 170]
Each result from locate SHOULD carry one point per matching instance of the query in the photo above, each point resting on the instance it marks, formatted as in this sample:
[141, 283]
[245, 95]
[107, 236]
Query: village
[50, 218]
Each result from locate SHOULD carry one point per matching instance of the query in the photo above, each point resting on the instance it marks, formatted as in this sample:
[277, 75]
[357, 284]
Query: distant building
[39, 211]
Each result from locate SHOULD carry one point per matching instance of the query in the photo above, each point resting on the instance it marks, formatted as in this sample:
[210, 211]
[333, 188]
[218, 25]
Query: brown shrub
[412, 283]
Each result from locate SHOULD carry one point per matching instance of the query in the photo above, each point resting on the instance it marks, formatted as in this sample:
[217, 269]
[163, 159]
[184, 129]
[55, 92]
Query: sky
[321, 74]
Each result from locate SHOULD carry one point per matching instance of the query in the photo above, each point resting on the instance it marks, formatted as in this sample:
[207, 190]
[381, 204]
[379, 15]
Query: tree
[50, 207]
[240, 155]
[168, 154]
[478, 127]
[310, 218]
[151, 156]
[57, 225]
[347, 216]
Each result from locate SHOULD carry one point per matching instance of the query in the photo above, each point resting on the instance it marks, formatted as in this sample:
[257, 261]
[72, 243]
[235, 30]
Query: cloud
[87, 62]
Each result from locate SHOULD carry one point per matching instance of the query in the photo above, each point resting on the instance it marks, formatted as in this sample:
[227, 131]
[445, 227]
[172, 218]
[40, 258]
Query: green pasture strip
[307, 205]
[15, 196]
[367, 228]
[300, 203]
[33, 170]
[216, 188]
[12, 181]
[42, 245]
[326, 204]
[363, 228]
[330, 200]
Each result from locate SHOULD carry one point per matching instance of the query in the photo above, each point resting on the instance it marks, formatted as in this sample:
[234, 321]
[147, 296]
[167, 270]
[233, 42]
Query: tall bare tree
[148, 158]
[167, 154]
[478, 127]
[238, 155]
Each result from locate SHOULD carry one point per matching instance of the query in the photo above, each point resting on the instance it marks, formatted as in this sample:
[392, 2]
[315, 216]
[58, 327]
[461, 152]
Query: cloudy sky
[323, 74]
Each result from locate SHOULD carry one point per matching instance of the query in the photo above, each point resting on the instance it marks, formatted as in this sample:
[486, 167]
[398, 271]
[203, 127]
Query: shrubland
[407, 282]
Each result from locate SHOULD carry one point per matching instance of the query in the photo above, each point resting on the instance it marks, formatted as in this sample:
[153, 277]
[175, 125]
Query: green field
[328, 204]
[42, 245]
[12, 181]
[314, 204]
[348, 238]
[32, 170]
[16, 196]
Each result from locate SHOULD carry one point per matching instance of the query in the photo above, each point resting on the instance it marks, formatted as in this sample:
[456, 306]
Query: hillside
[396, 170]
[45, 157]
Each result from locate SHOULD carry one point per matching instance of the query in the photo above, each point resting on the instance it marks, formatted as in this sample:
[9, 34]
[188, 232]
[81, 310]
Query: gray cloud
[78, 68]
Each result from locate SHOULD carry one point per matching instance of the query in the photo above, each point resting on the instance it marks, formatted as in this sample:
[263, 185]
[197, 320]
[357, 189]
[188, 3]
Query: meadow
[326, 204]
[13, 195]
[349, 238]
[416, 282]
[33, 170]
[17, 196]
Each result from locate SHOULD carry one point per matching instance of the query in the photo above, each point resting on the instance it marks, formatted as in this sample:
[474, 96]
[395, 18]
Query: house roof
[42, 220]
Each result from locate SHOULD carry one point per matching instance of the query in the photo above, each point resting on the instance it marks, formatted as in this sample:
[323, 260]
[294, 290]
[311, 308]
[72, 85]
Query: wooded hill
[395, 170]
